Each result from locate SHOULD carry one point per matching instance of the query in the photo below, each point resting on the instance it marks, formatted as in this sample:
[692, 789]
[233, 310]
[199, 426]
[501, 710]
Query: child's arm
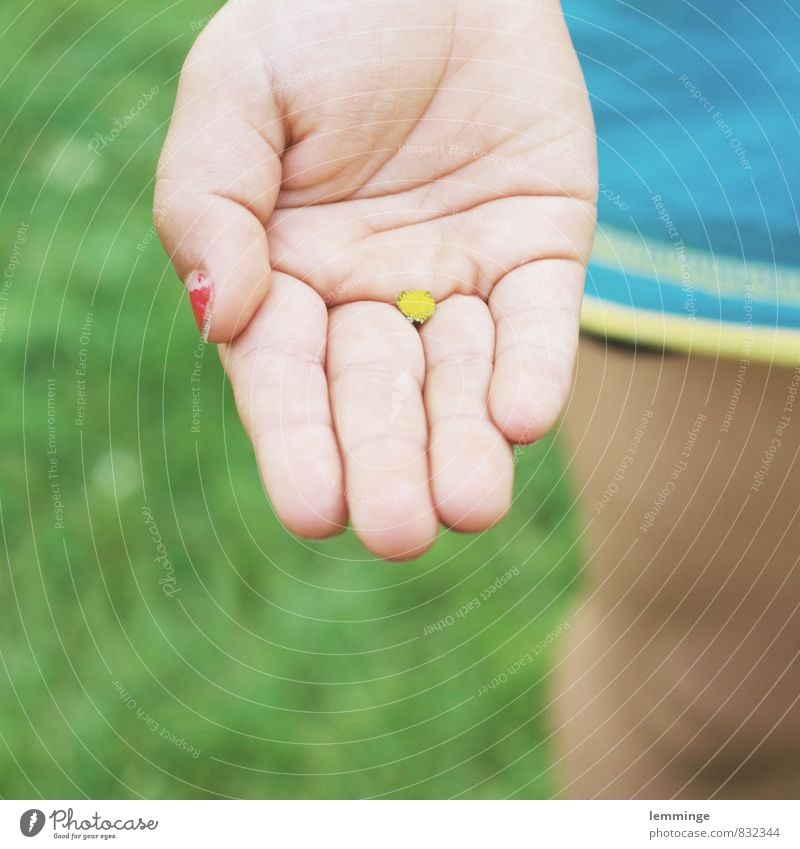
[325, 156]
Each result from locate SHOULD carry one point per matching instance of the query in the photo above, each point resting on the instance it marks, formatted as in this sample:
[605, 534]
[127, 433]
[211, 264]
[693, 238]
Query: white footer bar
[401, 824]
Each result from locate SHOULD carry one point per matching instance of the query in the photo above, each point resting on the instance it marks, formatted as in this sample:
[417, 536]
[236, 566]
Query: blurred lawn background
[276, 668]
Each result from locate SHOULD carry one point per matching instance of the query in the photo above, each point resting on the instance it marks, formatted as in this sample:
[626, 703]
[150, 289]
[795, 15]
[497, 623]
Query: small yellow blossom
[416, 305]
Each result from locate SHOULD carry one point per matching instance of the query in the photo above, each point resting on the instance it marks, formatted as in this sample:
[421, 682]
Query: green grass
[293, 669]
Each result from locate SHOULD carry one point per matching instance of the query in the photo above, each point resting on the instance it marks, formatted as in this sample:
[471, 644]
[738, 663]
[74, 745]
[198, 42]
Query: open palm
[324, 157]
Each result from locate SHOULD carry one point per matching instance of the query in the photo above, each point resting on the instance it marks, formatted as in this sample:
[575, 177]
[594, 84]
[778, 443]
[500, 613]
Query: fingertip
[518, 425]
[401, 543]
[303, 479]
[395, 524]
[201, 297]
[472, 486]
[312, 511]
[323, 522]
[221, 254]
[521, 426]
[219, 318]
[469, 519]
[238, 287]
[524, 410]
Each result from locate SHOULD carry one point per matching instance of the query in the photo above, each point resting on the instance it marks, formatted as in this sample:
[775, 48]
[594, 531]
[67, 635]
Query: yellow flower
[416, 305]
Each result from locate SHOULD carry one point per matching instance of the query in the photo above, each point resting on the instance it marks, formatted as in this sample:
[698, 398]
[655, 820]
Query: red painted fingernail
[201, 296]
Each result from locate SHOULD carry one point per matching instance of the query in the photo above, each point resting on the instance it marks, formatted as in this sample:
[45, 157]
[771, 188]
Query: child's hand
[325, 156]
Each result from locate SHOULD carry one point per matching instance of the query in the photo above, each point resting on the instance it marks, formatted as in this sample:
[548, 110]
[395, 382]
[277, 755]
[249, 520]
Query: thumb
[218, 177]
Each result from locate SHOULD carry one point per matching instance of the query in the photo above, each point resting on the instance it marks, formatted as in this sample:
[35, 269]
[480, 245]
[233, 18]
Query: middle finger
[376, 369]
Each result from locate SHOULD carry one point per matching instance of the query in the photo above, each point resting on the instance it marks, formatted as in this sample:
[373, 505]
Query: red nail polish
[201, 296]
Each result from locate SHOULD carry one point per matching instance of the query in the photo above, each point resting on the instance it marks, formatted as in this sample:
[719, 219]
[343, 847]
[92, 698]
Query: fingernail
[201, 296]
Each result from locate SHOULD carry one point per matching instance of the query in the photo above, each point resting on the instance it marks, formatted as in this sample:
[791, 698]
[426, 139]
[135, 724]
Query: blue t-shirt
[697, 108]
